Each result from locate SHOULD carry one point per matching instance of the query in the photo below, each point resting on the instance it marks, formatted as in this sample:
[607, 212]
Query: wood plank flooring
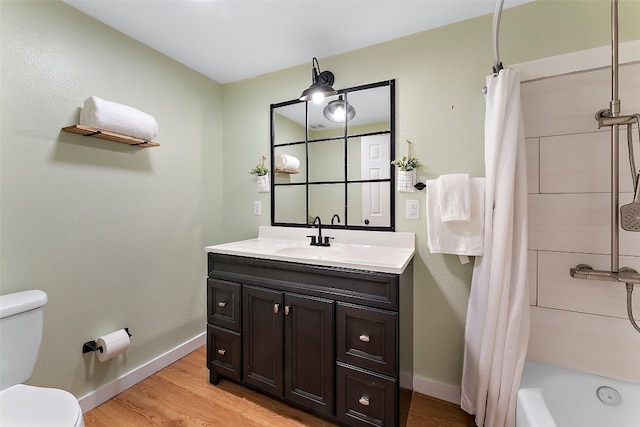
[180, 395]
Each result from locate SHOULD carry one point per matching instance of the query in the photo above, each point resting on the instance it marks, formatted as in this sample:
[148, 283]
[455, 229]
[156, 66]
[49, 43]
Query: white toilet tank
[20, 335]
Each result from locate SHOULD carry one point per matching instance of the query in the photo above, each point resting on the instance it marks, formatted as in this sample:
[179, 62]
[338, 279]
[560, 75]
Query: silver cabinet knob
[364, 338]
[287, 308]
[222, 304]
[222, 351]
[364, 400]
[276, 308]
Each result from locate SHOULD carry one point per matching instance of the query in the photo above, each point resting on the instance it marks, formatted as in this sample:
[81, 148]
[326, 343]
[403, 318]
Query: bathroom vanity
[327, 329]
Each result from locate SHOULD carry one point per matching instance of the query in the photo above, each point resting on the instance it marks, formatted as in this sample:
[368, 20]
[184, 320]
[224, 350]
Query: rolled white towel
[111, 116]
[285, 161]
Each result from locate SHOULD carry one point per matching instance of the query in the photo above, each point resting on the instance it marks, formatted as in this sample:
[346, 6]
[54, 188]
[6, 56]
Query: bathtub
[550, 396]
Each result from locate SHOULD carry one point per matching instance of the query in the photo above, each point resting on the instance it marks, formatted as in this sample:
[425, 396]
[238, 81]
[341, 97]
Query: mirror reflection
[290, 208]
[323, 164]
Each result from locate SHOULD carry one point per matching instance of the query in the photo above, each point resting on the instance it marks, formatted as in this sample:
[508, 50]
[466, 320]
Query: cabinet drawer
[364, 398]
[223, 304]
[367, 338]
[224, 352]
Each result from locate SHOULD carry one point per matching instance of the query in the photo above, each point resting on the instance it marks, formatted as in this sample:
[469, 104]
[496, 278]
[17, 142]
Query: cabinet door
[309, 352]
[262, 337]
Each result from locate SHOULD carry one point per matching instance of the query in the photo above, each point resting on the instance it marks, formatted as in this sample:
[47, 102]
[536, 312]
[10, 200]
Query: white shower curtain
[497, 326]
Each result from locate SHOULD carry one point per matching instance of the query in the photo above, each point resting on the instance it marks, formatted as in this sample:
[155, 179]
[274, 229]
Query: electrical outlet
[413, 209]
[257, 207]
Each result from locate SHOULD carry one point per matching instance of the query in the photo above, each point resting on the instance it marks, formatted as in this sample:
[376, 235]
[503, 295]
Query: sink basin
[310, 252]
[371, 251]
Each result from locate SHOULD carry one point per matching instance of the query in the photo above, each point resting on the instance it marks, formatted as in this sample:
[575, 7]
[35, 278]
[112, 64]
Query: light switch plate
[257, 207]
[413, 209]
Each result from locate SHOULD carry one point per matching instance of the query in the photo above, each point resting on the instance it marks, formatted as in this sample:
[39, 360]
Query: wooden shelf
[110, 136]
[288, 171]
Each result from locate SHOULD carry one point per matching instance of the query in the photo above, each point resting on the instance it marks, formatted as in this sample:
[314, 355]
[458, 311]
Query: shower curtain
[497, 325]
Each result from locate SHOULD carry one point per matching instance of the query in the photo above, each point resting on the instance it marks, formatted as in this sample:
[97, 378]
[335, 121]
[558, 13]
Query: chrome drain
[609, 396]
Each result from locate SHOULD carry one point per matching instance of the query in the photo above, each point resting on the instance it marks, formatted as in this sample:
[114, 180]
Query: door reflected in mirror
[342, 167]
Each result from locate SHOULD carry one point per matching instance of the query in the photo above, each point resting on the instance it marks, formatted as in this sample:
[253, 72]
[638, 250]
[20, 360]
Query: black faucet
[335, 216]
[318, 241]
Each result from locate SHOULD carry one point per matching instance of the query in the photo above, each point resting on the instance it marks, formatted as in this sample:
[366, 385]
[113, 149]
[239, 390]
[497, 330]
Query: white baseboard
[107, 391]
[97, 397]
[436, 389]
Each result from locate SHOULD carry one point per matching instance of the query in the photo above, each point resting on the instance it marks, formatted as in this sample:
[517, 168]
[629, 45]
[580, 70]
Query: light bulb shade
[317, 93]
[339, 110]
[321, 83]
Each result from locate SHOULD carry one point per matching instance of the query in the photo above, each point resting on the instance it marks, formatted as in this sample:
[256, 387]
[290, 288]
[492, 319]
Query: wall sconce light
[320, 84]
[339, 110]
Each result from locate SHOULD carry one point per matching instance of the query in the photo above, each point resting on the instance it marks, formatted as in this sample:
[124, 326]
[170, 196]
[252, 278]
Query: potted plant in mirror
[407, 172]
[261, 172]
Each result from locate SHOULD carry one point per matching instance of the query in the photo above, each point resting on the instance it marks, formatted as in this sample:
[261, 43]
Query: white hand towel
[111, 116]
[455, 197]
[458, 238]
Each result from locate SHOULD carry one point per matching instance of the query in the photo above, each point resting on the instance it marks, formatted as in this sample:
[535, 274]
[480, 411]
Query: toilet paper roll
[285, 161]
[112, 344]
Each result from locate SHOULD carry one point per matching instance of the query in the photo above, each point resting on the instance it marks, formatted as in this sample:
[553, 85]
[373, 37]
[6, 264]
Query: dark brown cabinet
[324, 339]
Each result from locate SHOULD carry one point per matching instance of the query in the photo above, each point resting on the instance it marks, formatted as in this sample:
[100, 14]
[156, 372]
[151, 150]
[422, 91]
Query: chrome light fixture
[339, 110]
[320, 84]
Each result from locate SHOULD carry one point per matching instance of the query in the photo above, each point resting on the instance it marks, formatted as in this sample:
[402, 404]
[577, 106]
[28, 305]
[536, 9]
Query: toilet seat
[23, 405]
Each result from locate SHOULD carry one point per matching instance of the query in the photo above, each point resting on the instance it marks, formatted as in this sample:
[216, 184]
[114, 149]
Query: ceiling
[230, 40]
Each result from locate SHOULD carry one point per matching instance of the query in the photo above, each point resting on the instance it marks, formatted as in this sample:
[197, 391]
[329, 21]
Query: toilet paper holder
[90, 346]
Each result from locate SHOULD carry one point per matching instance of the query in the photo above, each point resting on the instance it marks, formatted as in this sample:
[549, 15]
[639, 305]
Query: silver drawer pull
[364, 338]
[222, 351]
[364, 401]
[222, 304]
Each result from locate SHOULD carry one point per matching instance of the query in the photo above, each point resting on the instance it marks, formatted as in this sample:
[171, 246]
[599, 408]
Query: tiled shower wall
[580, 324]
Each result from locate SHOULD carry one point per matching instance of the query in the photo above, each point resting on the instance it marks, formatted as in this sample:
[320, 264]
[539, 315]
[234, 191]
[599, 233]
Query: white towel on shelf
[455, 197]
[288, 162]
[458, 238]
[123, 119]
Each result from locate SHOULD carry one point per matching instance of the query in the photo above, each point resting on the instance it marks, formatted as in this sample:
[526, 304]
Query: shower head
[630, 214]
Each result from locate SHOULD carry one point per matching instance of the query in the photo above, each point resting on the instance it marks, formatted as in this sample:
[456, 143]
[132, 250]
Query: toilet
[21, 323]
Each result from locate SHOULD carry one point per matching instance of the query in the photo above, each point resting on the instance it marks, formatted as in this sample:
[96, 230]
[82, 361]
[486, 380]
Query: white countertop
[381, 251]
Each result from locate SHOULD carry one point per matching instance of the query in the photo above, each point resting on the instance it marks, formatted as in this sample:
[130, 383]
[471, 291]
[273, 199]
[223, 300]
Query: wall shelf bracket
[109, 136]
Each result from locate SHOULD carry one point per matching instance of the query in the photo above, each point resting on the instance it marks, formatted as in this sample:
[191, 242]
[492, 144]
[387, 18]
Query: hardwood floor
[180, 395]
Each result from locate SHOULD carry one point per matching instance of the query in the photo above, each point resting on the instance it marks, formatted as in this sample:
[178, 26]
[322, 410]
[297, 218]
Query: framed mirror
[335, 158]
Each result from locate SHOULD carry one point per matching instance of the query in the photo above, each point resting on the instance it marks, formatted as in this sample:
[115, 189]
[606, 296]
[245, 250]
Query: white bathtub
[550, 396]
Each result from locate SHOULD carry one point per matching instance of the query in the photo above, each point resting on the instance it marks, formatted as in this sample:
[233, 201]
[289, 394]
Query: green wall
[115, 235]
[440, 108]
